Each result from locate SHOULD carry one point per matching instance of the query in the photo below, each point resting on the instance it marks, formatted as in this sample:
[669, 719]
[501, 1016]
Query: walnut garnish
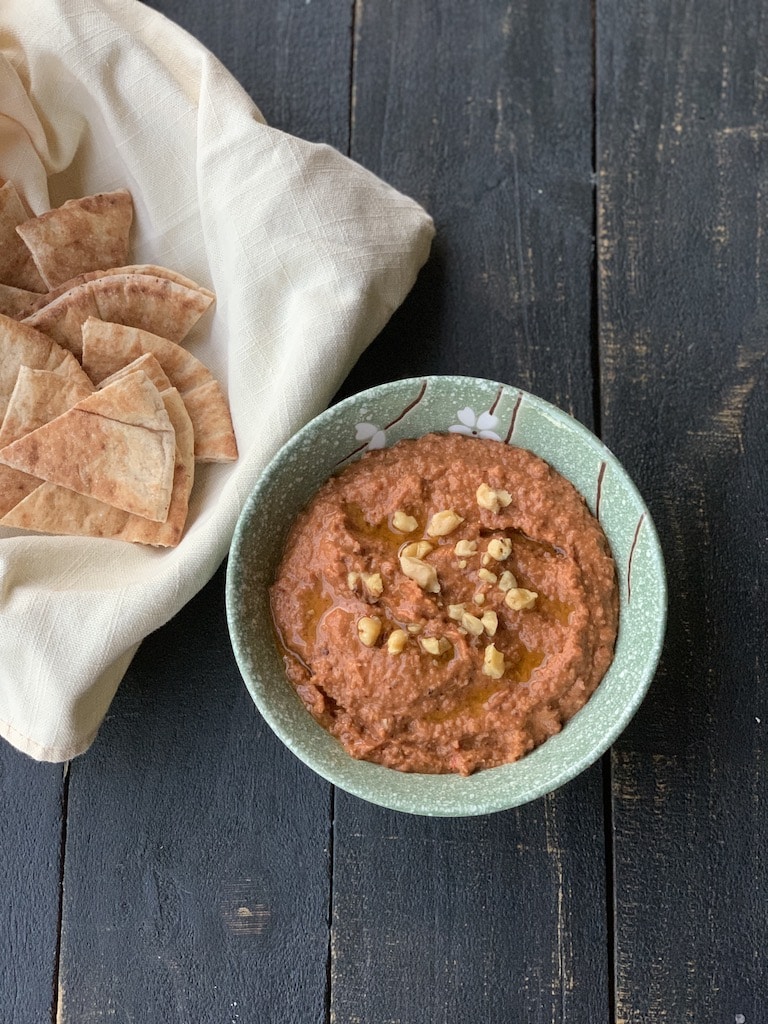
[465, 548]
[353, 578]
[436, 645]
[472, 624]
[487, 576]
[493, 662]
[479, 597]
[519, 599]
[369, 629]
[396, 641]
[490, 621]
[493, 500]
[414, 627]
[417, 549]
[455, 611]
[507, 581]
[373, 583]
[420, 572]
[443, 523]
[500, 548]
[403, 522]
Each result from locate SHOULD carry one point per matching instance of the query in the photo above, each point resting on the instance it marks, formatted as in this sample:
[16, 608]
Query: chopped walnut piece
[492, 499]
[493, 662]
[414, 627]
[487, 576]
[465, 548]
[353, 578]
[403, 522]
[519, 599]
[436, 645]
[472, 624]
[369, 629]
[500, 548]
[396, 641]
[420, 572]
[443, 523]
[373, 583]
[490, 621]
[455, 611]
[507, 581]
[479, 597]
[418, 549]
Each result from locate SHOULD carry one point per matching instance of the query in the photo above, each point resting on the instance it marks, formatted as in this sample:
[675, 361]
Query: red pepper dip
[446, 605]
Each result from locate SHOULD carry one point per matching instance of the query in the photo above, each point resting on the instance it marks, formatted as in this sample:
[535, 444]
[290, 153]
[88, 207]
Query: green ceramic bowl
[410, 408]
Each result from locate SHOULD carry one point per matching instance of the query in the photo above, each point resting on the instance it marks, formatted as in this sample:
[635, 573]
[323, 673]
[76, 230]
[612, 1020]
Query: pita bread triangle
[155, 304]
[17, 268]
[21, 345]
[84, 234]
[107, 347]
[117, 445]
[53, 509]
[39, 396]
[18, 302]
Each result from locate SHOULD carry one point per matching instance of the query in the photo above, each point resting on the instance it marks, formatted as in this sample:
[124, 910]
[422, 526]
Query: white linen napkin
[308, 254]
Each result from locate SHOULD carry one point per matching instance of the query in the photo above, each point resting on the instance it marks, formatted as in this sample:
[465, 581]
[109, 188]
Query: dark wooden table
[598, 174]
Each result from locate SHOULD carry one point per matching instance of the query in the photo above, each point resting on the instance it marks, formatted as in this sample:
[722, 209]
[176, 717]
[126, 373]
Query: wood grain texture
[196, 869]
[683, 160]
[482, 112]
[292, 57]
[31, 823]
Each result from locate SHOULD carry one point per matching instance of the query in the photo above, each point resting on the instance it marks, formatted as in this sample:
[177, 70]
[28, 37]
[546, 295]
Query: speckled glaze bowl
[410, 408]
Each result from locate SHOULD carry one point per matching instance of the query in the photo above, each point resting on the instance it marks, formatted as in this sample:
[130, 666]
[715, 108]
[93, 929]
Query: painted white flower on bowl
[374, 436]
[475, 426]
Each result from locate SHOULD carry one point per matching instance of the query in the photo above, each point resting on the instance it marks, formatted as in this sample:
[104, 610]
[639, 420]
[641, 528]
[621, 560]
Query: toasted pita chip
[18, 302]
[149, 365]
[149, 269]
[214, 433]
[116, 445]
[38, 397]
[107, 347]
[84, 234]
[17, 268]
[150, 303]
[53, 509]
[23, 346]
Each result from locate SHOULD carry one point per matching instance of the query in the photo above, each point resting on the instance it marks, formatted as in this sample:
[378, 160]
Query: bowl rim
[555, 779]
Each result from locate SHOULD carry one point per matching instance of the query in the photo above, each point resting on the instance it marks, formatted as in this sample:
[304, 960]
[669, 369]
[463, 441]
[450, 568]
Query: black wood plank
[683, 159]
[32, 815]
[483, 112]
[291, 56]
[196, 867]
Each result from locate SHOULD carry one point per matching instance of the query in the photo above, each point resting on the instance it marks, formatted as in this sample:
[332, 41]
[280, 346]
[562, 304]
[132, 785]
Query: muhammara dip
[446, 605]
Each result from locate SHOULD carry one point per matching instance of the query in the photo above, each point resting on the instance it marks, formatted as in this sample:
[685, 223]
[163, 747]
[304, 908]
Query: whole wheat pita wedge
[84, 234]
[108, 346]
[146, 362]
[148, 269]
[153, 304]
[58, 510]
[21, 345]
[17, 268]
[116, 445]
[38, 397]
[18, 302]
[63, 318]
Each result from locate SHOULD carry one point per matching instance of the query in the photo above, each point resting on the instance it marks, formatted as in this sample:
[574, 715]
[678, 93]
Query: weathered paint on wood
[197, 865]
[483, 112]
[32, 806]
[683, 161]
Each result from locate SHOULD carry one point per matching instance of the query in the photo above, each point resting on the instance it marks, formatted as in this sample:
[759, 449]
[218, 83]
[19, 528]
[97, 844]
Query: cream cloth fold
[308, 254]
